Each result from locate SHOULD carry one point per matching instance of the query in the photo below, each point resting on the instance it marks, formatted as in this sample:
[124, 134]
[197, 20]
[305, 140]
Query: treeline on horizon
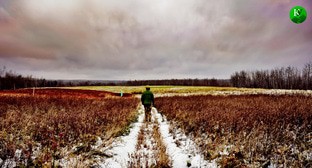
[11, 80]
[278, 78]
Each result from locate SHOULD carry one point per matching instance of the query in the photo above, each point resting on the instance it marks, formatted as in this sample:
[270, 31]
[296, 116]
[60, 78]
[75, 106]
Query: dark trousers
[148, 110]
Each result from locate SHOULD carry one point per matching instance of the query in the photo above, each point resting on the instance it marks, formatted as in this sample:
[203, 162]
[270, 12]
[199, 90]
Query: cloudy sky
[143, 39]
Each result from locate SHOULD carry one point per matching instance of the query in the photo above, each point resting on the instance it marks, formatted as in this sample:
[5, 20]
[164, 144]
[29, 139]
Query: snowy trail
[124, 146]
[141, 149]
[145, 155]
[186, 152]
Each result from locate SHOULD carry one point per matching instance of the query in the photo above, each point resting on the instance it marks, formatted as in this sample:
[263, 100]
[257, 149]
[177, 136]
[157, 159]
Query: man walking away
[147, 100]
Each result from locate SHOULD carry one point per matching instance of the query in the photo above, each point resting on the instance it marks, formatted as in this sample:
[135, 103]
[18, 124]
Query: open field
[54, 125]
[161, 89]
[252, 130]
[191, 127]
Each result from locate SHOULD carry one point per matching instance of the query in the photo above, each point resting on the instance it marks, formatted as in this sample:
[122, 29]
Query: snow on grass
[184, 154]
[145, 154]
[11, 162]
[124, 146]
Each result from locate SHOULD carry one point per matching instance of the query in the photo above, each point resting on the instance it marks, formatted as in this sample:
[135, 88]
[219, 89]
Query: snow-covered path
[141, 148]
[184, 155]
[145, 154]
[124, 146]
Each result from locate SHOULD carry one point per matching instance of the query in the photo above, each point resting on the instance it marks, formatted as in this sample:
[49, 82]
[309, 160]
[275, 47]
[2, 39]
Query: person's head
[148, 88]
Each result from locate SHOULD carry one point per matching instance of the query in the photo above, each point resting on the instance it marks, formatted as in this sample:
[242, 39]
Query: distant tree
[307, 76]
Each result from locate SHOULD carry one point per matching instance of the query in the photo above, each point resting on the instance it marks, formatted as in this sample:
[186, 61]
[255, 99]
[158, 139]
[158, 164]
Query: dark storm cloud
[138, 39]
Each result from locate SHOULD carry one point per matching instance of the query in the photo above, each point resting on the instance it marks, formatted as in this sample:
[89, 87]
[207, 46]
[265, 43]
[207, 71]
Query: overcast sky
[143, 39]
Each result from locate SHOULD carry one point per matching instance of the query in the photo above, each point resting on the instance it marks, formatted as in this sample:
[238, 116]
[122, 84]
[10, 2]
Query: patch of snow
[146, 151]
[307, 154]
[12, 161]
[272, 165]
[183, 154]
[36, 151]
[98, 143]
[9, 163]
[18, 154]
[226, 150]
[124, 146]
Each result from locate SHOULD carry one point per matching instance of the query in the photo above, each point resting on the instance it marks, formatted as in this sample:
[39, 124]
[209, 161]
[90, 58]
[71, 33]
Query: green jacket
[147, 98]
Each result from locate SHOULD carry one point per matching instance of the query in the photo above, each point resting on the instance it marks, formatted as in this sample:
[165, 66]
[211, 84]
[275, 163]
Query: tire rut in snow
[151, 151]
[152, 145]
[184, 155]
[123, 146]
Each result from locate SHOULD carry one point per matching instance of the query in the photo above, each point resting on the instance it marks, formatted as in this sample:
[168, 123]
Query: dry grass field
[40, 130]
[215, 127]
[253, 130]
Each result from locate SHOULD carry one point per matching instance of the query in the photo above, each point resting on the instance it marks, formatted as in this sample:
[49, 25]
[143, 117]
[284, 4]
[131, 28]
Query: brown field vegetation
[253, 130]
[46, 126]
[64, 93]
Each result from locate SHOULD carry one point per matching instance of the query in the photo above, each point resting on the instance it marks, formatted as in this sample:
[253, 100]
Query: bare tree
[307, 76]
